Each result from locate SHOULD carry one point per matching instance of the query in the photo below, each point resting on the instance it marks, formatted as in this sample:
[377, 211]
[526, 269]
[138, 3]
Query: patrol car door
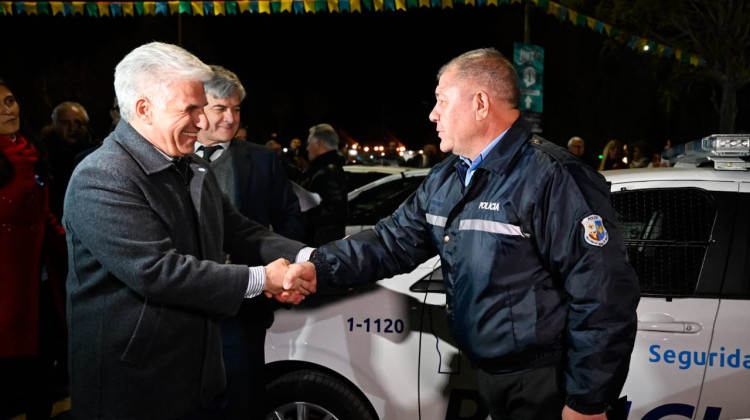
[444, 371]
[677, 238]
[728, 378]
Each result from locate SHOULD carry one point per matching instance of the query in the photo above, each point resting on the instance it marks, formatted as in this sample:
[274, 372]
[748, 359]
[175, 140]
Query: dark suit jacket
[147, 285]
[264, 194]
[263, 191]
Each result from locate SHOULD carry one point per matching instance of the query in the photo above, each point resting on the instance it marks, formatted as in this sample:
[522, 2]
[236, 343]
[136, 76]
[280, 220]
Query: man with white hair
[148, 230]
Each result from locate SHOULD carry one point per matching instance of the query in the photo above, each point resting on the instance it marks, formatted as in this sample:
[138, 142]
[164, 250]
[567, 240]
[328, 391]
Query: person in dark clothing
[540, 294]
[148, 230]
[640, 154]
[325, 177]
[297, 154]
[114, 113]
[68, 136]
[254, 180]
[290, 167]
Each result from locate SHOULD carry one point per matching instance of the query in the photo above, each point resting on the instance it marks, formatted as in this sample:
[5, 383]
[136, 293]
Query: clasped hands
[290, 283]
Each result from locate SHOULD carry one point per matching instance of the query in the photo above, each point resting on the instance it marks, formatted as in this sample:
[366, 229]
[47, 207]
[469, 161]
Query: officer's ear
[481, 103]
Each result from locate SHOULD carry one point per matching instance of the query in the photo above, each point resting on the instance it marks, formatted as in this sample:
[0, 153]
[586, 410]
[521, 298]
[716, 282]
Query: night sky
[370, 74]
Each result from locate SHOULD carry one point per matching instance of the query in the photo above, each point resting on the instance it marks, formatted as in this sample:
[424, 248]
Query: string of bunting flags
[99, 9]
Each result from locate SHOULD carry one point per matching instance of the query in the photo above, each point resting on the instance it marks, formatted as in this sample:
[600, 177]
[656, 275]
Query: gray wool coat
[147, 288]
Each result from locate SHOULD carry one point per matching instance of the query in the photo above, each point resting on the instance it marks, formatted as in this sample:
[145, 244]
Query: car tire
[309, 394]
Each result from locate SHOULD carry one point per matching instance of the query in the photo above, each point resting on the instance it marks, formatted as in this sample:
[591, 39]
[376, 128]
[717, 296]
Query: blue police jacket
[533, 260]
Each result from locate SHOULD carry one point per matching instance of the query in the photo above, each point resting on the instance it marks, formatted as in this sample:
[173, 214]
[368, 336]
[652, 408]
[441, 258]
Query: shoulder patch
[594, 233]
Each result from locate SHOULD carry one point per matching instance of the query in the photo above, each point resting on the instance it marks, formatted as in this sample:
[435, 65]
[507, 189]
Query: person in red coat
[32, 273]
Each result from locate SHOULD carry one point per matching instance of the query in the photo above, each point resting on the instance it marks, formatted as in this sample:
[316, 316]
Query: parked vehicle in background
[358, 175]
[383, 351]
[381, 198]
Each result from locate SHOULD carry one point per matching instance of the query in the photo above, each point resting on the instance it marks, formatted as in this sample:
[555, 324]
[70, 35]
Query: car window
[382, 200]
[667, 233]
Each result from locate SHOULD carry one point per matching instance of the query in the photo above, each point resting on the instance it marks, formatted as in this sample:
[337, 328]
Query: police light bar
[728, 144]
[727, 151]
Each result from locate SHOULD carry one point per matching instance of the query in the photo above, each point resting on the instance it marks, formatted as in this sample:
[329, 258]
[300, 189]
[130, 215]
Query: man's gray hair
[327, 134]
[149, 71]
[487, 67]
[574, 139]
[224, 84]
[65, 105]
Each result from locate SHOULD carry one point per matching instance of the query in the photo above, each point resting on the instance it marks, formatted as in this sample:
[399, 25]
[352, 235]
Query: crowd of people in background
[618, 155]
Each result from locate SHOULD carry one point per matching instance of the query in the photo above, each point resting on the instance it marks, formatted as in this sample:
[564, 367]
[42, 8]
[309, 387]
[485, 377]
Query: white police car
[687, 235]
[383, 350]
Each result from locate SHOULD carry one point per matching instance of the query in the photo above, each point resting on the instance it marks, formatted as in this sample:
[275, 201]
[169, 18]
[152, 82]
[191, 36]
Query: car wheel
[309, 394]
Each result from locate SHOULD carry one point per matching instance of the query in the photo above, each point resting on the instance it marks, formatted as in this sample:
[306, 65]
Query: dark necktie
[208, 151]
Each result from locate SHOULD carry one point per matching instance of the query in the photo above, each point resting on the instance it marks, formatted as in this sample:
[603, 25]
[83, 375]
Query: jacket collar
[502, 157]
[327, 158]
[148, 157]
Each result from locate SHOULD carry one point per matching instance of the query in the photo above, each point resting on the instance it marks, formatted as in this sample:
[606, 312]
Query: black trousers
[27, 383]
[216, 410]
[26, 387]
[536, 394]
[244, 360]
[243, 340]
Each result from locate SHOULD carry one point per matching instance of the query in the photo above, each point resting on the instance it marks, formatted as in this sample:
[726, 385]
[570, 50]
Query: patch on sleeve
[595, 233]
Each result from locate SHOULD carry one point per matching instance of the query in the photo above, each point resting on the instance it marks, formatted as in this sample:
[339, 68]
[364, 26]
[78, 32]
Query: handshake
[290, 283]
